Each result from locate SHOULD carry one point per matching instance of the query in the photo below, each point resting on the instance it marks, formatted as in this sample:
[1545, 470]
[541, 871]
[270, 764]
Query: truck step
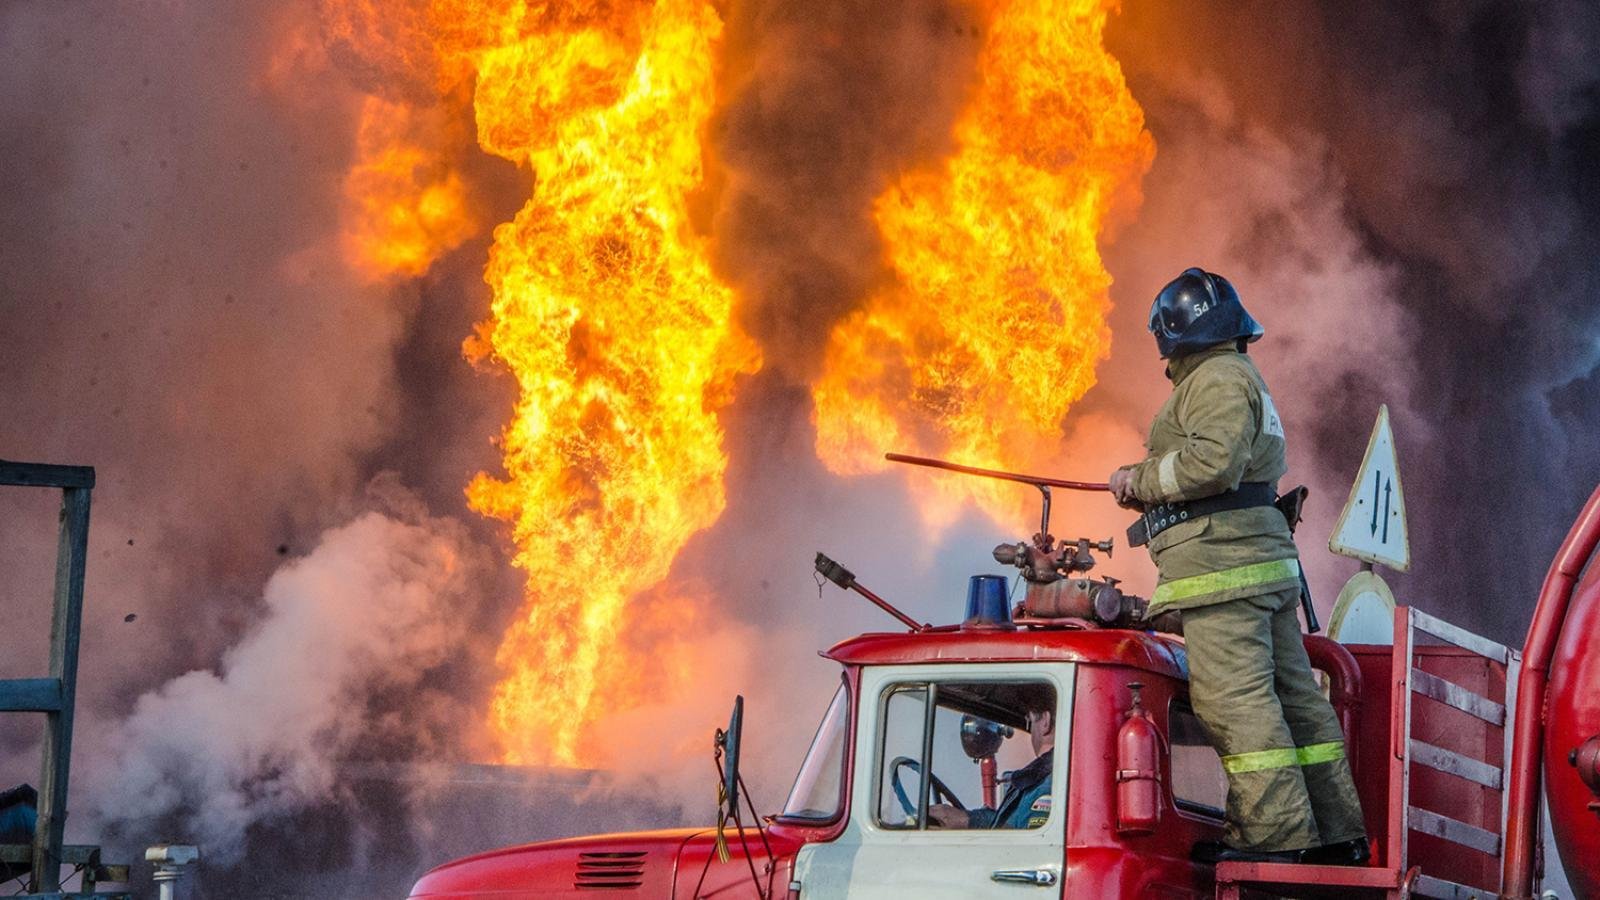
[1237, 880]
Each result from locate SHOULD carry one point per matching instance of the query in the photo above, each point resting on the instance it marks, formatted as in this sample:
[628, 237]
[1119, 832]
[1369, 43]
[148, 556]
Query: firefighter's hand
[942, 816]
[1121, 482]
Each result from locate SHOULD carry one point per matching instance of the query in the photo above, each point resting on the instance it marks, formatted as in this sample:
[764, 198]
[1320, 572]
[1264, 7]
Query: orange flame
[606, 311]
[404, 205]
[998, 318]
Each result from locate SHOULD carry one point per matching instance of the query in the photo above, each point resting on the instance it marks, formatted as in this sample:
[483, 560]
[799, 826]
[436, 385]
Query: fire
[998, 317]
[404, 204]
[606, 311]
[622, 341]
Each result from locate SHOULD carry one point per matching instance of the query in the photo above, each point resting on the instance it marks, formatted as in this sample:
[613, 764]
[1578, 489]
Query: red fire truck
[1454, 740]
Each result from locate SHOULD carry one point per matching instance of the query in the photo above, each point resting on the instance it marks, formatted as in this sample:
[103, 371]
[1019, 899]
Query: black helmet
[1197, 310]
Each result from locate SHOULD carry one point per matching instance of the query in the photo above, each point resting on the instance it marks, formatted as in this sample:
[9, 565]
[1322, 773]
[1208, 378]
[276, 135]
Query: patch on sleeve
[1270, 423]
[1167, 474]
[1039, 812]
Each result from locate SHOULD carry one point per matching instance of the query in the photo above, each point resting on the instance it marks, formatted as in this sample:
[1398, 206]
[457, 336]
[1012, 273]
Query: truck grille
[621, 870]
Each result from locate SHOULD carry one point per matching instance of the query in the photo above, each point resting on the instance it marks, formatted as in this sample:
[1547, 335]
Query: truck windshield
[817, 789]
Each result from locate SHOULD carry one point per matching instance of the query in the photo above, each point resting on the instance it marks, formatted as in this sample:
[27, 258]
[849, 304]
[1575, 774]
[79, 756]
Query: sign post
[1372, 528]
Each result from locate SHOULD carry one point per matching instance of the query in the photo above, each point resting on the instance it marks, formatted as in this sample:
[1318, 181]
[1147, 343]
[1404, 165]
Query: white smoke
[371, 609]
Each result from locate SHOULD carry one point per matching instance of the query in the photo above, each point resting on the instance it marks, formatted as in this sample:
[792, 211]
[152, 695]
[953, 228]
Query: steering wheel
[939, 788]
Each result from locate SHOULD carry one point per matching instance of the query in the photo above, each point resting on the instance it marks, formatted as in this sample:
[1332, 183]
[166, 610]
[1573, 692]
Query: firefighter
[1026, 802]
[1228, 562]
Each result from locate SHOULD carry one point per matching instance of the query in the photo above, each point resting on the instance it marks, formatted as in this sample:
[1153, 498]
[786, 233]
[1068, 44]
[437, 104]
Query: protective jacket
[1235, 574]
[1026, 803]
[1218, 428]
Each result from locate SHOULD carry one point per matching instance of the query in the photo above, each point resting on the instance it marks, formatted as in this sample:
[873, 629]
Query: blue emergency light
[987, 602]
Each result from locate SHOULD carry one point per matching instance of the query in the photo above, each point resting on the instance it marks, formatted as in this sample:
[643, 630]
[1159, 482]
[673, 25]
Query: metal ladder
[1407, 751]
[55, 695]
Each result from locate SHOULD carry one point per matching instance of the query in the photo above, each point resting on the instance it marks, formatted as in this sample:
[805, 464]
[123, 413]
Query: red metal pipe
[996, 473]
[989, 773]
[1344, 683]
[888, 607]
[1522, 825]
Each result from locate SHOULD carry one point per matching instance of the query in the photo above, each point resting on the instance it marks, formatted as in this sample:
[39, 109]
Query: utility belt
[1157, 519]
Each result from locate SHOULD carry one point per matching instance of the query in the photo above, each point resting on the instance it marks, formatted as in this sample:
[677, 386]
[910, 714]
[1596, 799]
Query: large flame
[998, 318]
[606, 311]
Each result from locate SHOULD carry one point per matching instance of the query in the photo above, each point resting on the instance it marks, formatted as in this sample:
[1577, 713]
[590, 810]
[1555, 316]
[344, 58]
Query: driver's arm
[942, 815]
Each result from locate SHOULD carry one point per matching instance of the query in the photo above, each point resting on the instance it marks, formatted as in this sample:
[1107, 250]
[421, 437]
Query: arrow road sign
[1373, 525]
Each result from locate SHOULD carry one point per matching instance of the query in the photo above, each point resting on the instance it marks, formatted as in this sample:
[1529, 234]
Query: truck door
[904, 836]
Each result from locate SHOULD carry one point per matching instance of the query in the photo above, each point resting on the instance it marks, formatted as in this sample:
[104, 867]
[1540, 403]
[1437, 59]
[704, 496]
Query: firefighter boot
[1344, 853]
[1213, 852]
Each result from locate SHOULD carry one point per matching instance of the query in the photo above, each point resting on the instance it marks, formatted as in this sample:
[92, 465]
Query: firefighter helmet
[1196, 310]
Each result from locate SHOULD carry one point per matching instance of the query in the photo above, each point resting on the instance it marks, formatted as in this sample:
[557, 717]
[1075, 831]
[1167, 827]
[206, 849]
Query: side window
[1198, 783]
[966, 755]
[904, 711]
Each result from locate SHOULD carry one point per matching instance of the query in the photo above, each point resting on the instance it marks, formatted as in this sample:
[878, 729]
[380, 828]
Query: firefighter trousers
[1250, 682]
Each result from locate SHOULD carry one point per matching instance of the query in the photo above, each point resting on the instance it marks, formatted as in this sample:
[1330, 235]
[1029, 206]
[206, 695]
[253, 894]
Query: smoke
[368, 617]
[1452, 147]
[177, 313]
[1404, 194]
[827, 102]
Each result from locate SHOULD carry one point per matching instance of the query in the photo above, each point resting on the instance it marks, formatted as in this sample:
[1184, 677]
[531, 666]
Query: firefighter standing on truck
[1227, 560]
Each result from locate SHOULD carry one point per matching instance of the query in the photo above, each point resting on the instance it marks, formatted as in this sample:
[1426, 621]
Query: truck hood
[636, 863]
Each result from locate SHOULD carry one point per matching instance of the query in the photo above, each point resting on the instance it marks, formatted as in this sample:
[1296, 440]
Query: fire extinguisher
[1138, 770]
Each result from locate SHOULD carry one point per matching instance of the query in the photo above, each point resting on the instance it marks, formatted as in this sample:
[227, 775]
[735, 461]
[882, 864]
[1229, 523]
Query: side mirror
[725, 747]
[728, 743]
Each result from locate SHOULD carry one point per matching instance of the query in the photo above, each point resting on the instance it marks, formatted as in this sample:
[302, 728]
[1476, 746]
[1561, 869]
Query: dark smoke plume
[1459, 143]
[828, 101]
[175, 312]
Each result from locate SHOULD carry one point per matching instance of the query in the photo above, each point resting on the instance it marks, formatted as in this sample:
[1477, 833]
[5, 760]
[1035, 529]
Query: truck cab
[955, 703]
[939, 718]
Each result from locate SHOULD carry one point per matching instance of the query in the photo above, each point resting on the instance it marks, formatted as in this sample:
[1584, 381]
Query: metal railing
[55, 696]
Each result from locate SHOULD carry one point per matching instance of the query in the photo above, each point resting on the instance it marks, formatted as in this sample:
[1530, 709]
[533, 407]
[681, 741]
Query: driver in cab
[1026, 803]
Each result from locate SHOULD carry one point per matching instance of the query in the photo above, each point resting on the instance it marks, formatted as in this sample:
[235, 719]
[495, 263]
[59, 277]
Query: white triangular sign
[1373, 525]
